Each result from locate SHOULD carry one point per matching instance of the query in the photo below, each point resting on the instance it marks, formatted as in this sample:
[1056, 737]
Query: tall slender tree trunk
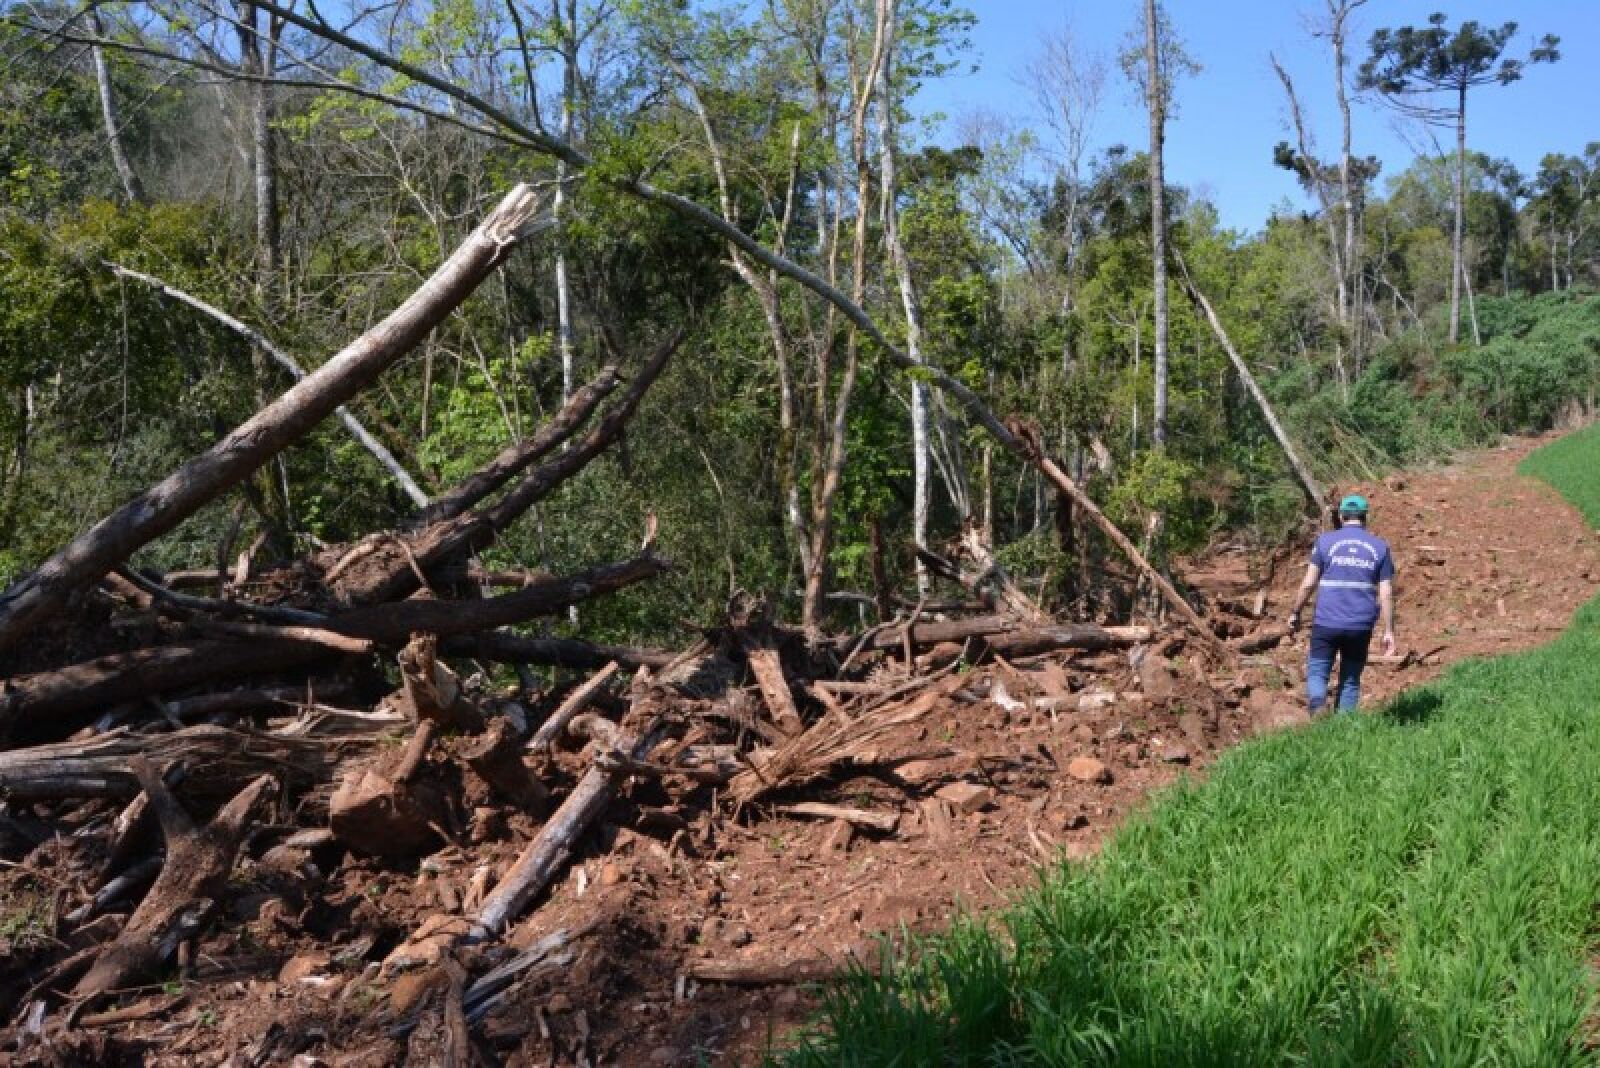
[129, 178]
[920, 468]
[1458, 266]
[1351, 297]
[568, 23]
[1156, 91]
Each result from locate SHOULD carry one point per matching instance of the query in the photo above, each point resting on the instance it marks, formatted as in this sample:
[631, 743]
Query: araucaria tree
[1412, 66]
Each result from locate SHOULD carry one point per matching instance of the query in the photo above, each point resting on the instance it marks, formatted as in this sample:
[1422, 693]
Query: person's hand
[1293, 621]
[1388, 643]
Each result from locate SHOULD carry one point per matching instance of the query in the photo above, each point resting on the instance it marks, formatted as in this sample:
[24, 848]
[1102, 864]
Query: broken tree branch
[576, 702]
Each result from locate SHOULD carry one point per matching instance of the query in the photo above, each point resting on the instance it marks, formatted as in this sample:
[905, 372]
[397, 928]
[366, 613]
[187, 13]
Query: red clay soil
[1032, 760]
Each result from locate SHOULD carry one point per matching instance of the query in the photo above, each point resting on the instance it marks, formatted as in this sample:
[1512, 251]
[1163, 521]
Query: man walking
[1352, 574]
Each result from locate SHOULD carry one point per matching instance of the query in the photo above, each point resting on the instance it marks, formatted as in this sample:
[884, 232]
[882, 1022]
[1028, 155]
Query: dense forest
[198, 197]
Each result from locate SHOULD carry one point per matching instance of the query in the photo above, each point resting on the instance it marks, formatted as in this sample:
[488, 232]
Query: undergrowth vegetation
[1416, 886]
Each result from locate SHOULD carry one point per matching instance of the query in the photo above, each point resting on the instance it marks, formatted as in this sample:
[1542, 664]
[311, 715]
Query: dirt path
[1022, 763]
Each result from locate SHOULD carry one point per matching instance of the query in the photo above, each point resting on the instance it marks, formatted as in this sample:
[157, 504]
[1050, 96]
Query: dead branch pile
[157, 732]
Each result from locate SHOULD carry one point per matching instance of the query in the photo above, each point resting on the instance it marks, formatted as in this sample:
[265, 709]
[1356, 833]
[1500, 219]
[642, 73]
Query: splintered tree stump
[184, 896]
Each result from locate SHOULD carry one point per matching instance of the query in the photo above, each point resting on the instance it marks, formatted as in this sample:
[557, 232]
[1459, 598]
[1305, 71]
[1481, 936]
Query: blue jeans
[1351, 648]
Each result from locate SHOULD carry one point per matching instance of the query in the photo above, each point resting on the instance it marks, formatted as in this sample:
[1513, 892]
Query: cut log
[184, 897]
[87, 558]
[1003, 633]
[549, 850]
[575, 702]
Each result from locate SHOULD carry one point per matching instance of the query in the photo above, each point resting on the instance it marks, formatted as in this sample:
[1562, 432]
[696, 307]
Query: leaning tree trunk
[261, 437]
[1308, 481]
[108, 112]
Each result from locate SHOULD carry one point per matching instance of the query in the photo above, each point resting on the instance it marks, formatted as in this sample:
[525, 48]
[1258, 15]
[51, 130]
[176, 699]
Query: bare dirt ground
[1016, 765]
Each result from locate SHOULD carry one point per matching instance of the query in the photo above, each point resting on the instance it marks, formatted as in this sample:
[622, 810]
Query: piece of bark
[936, 820]
[496, 758]
[882, 822]
[549, 850]
[575, 702]
[767, 667]
[88, 557]
[184, 897]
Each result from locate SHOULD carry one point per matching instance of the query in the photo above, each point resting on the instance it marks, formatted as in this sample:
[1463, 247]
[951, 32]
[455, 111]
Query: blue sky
[1232, 113]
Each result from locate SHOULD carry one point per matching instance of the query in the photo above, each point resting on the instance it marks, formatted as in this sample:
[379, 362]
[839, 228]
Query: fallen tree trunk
[217, 760]
[363, 436]
[393, 624]
[999, 630]
[1308, 481]
[111, 680]
[453, 538]
[1033, 451]
[87, 558]
[555, 652]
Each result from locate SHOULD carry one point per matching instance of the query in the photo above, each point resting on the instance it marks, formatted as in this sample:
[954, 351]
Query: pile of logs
[164, 724]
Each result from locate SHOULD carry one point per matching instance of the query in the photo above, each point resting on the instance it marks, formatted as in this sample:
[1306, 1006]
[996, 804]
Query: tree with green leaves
[1411, 67]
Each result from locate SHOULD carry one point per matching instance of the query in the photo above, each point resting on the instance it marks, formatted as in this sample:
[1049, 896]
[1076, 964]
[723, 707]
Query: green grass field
[1417, 886]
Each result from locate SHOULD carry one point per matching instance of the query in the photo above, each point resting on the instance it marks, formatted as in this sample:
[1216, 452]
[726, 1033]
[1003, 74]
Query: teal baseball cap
[1355, 504]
